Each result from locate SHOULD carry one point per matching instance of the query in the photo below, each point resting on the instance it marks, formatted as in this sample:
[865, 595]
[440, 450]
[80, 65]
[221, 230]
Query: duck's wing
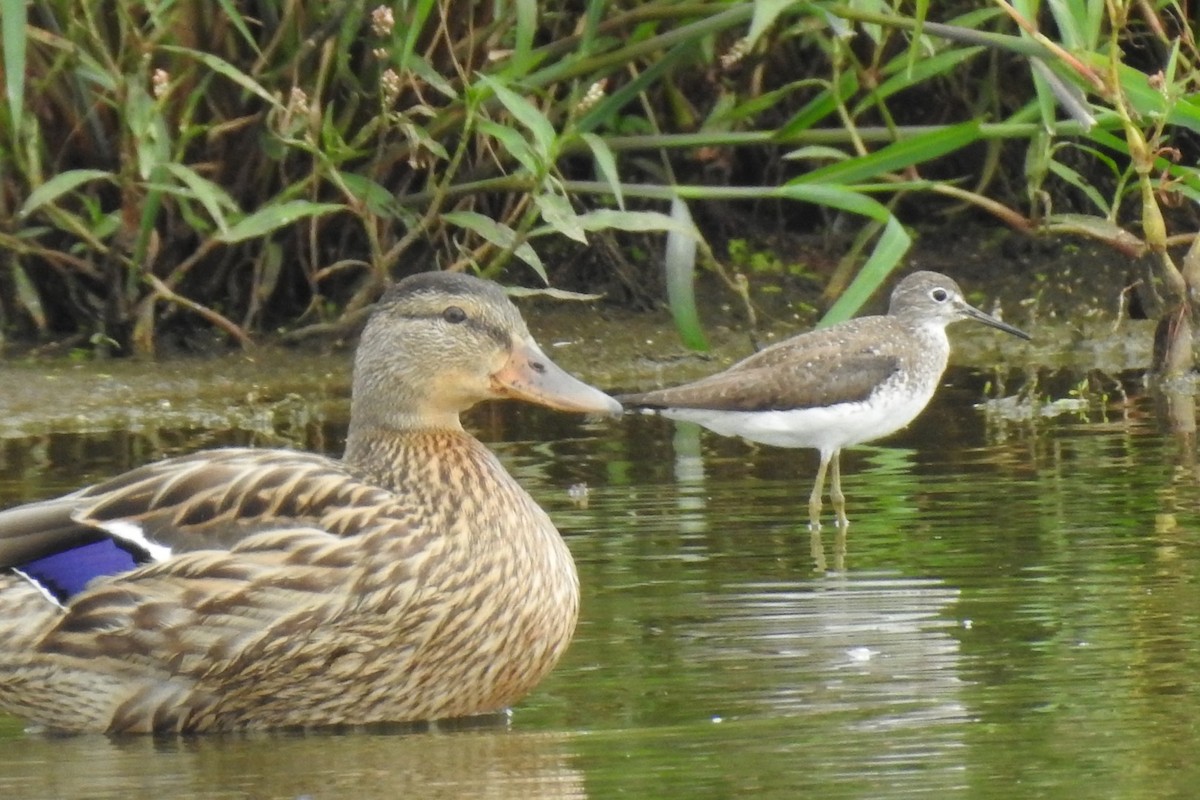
[207, 501]
[809, 370]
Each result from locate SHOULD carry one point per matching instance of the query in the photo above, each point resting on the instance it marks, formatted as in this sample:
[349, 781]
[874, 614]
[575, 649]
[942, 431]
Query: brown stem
[164, 292]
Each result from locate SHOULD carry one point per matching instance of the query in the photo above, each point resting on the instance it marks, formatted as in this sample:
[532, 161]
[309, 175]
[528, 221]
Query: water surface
[1015, 612]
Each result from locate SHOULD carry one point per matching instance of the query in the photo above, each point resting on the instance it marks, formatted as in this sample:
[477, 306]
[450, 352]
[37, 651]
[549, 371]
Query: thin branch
[164, 292]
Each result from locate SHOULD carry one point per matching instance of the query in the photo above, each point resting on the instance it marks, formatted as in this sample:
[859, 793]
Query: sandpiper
[831, 388]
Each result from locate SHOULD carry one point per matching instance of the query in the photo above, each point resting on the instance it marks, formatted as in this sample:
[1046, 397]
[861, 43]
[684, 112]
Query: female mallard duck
[412, 580]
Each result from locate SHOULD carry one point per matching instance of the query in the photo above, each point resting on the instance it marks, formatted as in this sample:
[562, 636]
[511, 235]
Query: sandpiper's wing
[841, 364]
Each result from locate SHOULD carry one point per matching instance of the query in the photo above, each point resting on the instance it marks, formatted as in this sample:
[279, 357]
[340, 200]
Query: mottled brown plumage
[412, 580]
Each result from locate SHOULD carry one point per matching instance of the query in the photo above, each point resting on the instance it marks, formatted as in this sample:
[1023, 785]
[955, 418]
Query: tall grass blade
[527, 19]
[12, 34]
[1070, 98]
[28, 297]
[679, 261]
[239, 23]
[412, 27]
[896, 156]
[606, 163]
[889, 251]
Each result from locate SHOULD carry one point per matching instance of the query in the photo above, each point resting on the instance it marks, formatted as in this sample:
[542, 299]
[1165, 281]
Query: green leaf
[896, 156]
[223, 67]
[528, 115]
[637, 222]
[239, 22]
[1185, 112]
[835, 197]
[152, 143]
[514, 143]
[274, 216]
[765, 14]
[422, 69]
[679, 261]
[270, 265]
[817, 152]
[819, 107]
[60, 184]
[498, 234]
[1073, 177]
[1078, 23]
[526, 29]
[606, 163]
[921, 70]
[12, 34]
[757, 104]
[27, 295]
[378, 199]
[214, 198]
[1069, 96]
[559, 215]
[413, 26]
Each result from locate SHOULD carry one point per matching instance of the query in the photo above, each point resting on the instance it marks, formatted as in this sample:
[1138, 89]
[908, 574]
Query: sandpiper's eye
[454, 315]
[939, 295]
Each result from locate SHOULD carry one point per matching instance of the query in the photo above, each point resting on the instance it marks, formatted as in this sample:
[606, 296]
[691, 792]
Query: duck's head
[440, 342]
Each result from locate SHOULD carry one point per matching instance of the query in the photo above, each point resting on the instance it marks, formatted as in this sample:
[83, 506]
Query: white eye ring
[939, 295]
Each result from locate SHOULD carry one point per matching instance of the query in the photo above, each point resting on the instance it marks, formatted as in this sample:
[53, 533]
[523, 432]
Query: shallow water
[1015, 612]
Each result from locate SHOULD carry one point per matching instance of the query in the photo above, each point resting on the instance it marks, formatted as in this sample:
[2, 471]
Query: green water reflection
[1018, 616]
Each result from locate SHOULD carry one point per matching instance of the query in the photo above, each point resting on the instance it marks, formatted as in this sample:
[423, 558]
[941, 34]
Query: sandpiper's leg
[839, 550]
[835, 491]
[816, 548]
[814, 499]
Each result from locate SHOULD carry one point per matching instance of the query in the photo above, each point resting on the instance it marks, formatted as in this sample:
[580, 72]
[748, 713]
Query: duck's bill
[531, 376]
[988, 319]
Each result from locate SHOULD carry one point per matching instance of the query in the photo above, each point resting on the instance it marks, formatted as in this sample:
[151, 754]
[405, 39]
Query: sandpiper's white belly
[826, 428]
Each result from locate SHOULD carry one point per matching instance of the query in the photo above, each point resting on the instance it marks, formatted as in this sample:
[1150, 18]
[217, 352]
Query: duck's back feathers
[203, 502]
[287, 589]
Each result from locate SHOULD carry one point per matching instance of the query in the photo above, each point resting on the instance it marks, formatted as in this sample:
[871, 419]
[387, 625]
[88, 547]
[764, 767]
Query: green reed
[258, 165]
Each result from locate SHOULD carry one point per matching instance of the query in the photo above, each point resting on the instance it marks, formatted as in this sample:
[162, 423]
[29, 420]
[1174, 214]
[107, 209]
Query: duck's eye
[454, 315]
[939, 295]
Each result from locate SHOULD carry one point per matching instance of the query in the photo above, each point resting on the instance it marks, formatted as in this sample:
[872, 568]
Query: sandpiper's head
[932, 298]
[440, 342]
